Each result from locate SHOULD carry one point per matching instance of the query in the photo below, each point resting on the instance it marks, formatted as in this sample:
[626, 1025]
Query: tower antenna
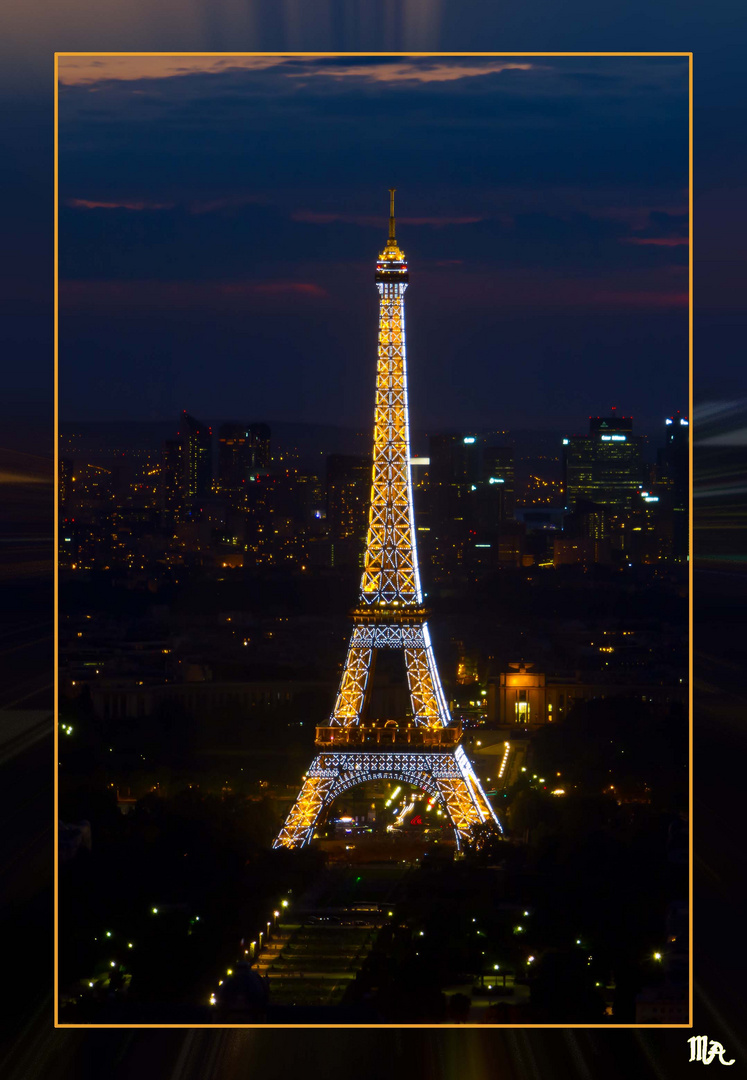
[391, 214]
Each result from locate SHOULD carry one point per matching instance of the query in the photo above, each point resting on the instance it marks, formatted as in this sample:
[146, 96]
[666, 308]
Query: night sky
[220, 220]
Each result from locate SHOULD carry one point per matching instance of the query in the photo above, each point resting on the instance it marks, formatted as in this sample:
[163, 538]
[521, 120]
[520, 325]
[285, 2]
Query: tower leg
[464, 799]
[427, 696]
[351, 696]
[298, 829]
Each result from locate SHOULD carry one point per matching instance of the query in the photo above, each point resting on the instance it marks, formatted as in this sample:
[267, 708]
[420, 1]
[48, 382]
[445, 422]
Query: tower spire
[392, 253]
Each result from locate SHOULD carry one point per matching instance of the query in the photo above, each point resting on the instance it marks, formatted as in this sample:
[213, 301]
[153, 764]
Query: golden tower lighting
[425, 751]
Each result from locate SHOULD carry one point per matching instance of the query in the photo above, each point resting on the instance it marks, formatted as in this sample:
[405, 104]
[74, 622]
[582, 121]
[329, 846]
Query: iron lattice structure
[390, 615]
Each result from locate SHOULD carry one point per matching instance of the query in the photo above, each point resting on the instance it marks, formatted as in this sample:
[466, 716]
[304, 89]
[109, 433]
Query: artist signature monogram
[704, 1049]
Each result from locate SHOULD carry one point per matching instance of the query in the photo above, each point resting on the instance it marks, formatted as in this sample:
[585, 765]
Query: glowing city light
[506, 751]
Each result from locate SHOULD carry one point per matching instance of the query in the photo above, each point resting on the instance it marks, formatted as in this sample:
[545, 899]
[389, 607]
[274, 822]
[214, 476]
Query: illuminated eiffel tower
[424, 751]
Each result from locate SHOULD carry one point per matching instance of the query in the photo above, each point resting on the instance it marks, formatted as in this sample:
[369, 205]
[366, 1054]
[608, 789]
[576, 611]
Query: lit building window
[521, 707]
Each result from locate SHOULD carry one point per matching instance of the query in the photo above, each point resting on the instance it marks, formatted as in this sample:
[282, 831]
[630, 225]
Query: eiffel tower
[424, 751]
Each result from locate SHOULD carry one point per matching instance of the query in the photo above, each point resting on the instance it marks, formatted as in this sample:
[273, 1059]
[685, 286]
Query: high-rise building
[497, 483]
[197, 457]
[463, 464]
[673, 460]
[606, 466]
[243, 453]
[348, 495]
[65, 481]
[454, 469]
[171, 477]
[296, 505]
[673, 483]
[453, 473]
[471, 500]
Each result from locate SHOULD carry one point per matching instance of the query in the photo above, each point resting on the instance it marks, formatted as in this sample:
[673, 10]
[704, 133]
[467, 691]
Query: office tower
[673, 460]
[172, 487]
[243, 454]
[65, 483]
[606, 466]
[497, 492]
[197, 457]
[673, 482]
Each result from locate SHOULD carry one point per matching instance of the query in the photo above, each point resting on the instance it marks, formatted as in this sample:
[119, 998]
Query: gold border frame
[364, 1027]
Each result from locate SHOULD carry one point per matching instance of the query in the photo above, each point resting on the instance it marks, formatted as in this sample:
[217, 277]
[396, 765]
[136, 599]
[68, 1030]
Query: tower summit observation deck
[425, 749]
